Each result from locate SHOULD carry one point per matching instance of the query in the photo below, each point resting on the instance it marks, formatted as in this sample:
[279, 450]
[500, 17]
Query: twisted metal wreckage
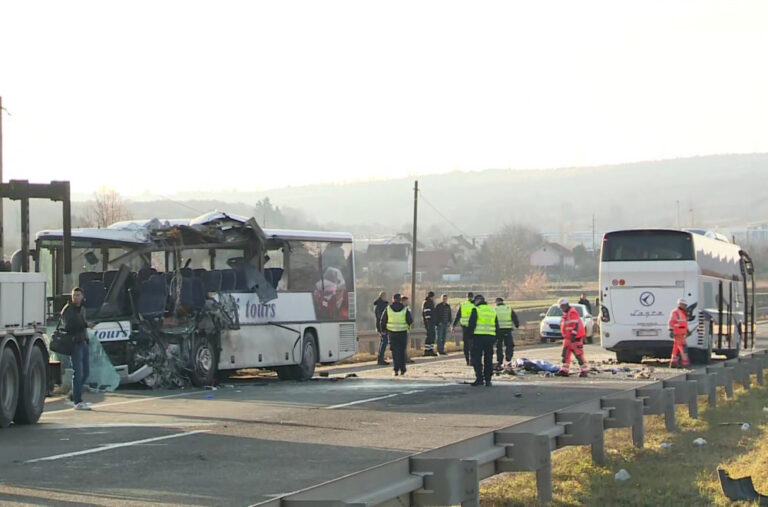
[177, 323]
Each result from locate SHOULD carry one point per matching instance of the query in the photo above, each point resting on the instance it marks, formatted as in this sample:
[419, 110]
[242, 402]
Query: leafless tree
[107, 207]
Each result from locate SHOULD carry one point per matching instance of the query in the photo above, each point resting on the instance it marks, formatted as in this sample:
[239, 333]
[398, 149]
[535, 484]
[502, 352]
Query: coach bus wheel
[306, 368]
[9, 386]
[204, 363]
[33, 390]
[624, 356]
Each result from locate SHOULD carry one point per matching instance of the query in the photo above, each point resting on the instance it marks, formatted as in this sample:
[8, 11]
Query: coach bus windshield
[648, 246]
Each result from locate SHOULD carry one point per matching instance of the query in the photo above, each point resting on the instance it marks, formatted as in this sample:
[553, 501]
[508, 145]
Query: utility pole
[414, 243]
[1, 179]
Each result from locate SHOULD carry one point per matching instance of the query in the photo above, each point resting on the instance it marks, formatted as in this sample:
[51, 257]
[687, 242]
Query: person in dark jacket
[74, 323]
[462, 317]
[379, 306]
[484, 325]
[397, 319]
[584, 301]
[442, 317]
[427, 307]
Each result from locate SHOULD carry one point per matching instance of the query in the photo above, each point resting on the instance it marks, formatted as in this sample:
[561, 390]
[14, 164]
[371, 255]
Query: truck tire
[305, 370]
[33, 389]
[205, 360]
[9, 386]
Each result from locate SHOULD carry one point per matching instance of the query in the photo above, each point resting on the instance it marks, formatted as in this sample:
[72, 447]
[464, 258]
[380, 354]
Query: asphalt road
[259, 437]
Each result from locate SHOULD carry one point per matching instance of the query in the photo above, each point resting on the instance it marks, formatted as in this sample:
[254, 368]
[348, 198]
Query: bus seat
[152, 297]
[273, 275]
[198, 293]
[186, 297]
[145, 273]
[87, 276]
[187, 272]
[199, 272]
[94, 293]
[211, 281]
[228, 279]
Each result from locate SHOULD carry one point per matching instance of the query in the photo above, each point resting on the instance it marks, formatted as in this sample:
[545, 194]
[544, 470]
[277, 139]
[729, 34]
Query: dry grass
[682, 475]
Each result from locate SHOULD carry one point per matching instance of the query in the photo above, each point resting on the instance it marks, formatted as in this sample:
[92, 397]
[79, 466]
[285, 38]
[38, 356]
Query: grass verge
[682, 475]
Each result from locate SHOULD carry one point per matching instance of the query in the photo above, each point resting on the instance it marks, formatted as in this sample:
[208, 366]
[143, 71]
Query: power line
[441, 215]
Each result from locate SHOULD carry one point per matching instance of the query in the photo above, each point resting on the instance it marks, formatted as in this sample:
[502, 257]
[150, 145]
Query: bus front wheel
[624, 356]
[205, 359]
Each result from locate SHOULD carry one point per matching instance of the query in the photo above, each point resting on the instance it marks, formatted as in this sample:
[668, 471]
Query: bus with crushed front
[186, 299]
[643, 272]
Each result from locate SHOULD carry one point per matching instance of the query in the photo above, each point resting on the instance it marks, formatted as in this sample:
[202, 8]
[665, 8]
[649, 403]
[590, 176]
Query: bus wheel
[33, 390]
[9, 386]
[305, 370]
[204, 362]
[624, 356]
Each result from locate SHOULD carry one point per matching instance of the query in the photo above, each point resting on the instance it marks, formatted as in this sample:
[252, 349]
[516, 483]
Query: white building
[552, 255]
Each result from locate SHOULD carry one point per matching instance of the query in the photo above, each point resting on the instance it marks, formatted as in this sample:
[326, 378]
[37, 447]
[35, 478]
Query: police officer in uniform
[462, 317]
[507, 322]
[485, 326]
[397, 319]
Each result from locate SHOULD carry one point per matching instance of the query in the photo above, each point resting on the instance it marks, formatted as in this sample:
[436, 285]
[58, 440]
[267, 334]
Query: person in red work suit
[678, 330]
[572, 329]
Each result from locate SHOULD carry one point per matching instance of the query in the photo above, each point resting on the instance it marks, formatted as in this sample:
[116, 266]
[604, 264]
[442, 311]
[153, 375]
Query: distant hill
[722, 191]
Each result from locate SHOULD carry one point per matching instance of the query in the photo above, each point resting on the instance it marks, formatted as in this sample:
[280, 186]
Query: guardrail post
[625, 413]
[685, 393]
[658, 399]
[724, 377]
[528, 452]
[757, 367]
[741, 371]
[706, 383]
[447, 481]
[583, 428]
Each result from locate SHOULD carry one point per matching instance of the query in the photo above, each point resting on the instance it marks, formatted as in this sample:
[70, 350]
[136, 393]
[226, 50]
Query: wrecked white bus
[185, 300]
[643, 272]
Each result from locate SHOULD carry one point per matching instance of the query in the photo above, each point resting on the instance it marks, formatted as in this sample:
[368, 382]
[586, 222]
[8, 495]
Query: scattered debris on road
[699, 442]
[622, 475]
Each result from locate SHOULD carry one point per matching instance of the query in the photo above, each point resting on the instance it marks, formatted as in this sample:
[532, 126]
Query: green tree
[505, 255]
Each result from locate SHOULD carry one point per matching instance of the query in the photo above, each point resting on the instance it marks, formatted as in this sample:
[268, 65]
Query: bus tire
[305, 370]
[624, 356]
[205, 359]
[34, 387]
[9, 386]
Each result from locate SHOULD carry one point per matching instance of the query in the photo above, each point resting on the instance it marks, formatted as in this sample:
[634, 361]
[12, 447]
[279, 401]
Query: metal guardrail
[450, 475]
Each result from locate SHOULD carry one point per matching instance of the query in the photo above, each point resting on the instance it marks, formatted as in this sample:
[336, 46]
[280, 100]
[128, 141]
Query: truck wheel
[33, 390]
[205, 359]
[9, 386]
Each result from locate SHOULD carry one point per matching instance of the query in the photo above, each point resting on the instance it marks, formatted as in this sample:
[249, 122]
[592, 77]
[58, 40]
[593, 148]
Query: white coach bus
[178, 300]
[644, 272]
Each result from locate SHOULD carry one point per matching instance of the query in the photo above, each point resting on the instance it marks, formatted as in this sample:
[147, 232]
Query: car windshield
[554, 311]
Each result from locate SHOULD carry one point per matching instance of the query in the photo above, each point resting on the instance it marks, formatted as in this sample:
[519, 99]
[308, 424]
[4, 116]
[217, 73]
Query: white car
[549, 329]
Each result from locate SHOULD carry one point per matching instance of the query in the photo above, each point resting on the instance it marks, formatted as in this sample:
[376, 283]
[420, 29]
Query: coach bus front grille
[347, 337]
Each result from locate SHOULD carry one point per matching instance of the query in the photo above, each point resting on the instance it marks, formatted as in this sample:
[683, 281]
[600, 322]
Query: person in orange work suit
[572, 329]
[678, 330]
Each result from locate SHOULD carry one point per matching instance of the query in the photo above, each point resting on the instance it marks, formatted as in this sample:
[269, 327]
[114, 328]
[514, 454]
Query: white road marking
[125, 402]
[367, 400]
[58, 426]
[108, 447]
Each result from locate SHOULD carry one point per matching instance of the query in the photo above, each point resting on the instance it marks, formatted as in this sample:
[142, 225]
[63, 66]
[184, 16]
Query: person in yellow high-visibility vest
[462, 317]
[397, 319]
[485, 327]
[508, 321]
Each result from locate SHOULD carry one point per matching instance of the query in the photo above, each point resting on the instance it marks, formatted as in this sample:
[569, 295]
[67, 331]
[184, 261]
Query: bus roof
[139, 232]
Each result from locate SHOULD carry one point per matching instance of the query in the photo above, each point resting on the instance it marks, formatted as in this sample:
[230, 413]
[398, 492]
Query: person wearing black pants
[427, 308]
[379, 306]
[485, 326]
[462, 317]
[508, 321]
[397, 319]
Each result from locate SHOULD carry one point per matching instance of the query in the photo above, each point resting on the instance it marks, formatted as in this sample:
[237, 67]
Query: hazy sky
[189, 95]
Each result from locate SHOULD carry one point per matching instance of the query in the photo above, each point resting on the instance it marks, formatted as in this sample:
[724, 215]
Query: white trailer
[23, 350]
